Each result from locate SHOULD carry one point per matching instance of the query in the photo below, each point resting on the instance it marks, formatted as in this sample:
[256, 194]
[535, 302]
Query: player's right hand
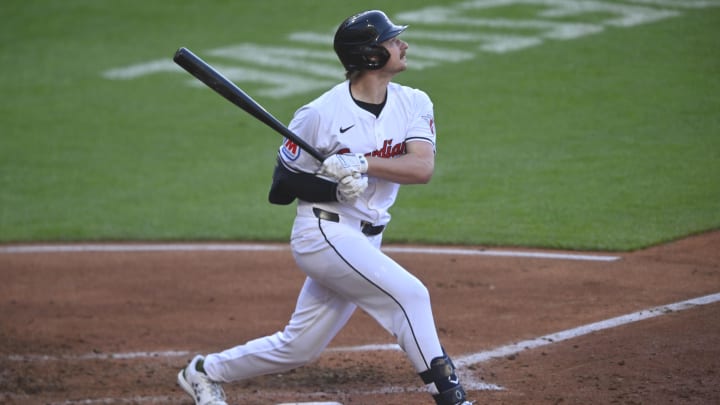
[341, 166]
[350, 187]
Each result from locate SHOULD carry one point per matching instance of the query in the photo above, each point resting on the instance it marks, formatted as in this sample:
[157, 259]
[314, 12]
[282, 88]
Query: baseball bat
[223, 86]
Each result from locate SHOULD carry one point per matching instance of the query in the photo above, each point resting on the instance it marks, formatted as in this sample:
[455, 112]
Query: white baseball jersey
[338, 244]
[345, 268]
[333, 123]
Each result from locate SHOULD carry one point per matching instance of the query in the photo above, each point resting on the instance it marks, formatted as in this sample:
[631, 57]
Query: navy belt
[366, 227]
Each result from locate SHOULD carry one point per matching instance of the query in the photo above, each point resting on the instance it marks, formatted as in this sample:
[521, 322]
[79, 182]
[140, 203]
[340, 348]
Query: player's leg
[353, 265]
[319, 315]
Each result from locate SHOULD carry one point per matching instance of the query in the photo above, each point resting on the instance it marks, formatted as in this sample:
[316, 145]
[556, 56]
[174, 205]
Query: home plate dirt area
[113, 323]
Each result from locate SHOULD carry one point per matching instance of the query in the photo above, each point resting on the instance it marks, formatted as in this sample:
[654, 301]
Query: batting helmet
[357, 40]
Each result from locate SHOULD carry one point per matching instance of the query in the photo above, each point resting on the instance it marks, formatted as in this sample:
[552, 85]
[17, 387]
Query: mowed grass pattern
[609, 141]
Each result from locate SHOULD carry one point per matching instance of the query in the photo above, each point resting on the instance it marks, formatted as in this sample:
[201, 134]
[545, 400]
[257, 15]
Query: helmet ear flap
[375, 57]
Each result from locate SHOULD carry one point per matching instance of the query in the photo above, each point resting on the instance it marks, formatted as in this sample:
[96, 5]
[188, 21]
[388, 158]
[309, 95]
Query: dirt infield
[113, 327]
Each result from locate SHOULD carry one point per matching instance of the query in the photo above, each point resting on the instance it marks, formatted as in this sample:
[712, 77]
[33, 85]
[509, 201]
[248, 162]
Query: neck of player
[370, 87]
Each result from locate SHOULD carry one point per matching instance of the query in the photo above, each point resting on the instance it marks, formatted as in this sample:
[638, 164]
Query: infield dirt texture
[112, 324]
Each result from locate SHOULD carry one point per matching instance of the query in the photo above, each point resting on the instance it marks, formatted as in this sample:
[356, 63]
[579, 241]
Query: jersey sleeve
[422, 124]
[294, 175]
[305, 124]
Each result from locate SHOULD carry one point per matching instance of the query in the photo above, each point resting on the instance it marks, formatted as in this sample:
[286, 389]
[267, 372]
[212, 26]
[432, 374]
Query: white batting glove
[350, 187]
[341, 166]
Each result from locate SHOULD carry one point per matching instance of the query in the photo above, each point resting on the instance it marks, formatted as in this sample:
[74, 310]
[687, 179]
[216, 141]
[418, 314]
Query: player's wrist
[363, 163]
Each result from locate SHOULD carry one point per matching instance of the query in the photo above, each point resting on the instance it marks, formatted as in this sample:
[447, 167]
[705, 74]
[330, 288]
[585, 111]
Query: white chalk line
[255, 247]
[462, 362]
[515, 348]
[99, 356]
[500, 253]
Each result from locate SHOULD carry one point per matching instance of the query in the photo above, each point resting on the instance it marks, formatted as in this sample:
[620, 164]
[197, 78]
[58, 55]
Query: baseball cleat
[199, 386]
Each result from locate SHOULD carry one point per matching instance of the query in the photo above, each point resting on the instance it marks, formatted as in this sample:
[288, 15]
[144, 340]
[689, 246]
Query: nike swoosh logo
[343, 130]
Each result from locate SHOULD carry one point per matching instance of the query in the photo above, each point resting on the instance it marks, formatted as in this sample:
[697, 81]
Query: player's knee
[442, 374]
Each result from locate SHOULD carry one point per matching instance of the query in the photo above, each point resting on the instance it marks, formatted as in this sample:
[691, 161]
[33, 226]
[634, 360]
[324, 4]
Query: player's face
[397, 48]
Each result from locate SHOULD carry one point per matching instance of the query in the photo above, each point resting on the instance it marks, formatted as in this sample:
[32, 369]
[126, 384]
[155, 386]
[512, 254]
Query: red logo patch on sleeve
[290, 150]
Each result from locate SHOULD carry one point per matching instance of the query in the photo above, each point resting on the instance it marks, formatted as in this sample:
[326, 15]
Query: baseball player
[378, 135]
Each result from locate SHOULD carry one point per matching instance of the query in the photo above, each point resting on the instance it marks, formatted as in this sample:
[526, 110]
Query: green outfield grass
[606, 142]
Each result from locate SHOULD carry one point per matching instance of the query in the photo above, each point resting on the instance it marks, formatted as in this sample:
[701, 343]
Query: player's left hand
[350, 187]
[341, 166]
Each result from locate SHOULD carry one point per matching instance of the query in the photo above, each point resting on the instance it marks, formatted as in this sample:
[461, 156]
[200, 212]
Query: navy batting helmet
[358, 37]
